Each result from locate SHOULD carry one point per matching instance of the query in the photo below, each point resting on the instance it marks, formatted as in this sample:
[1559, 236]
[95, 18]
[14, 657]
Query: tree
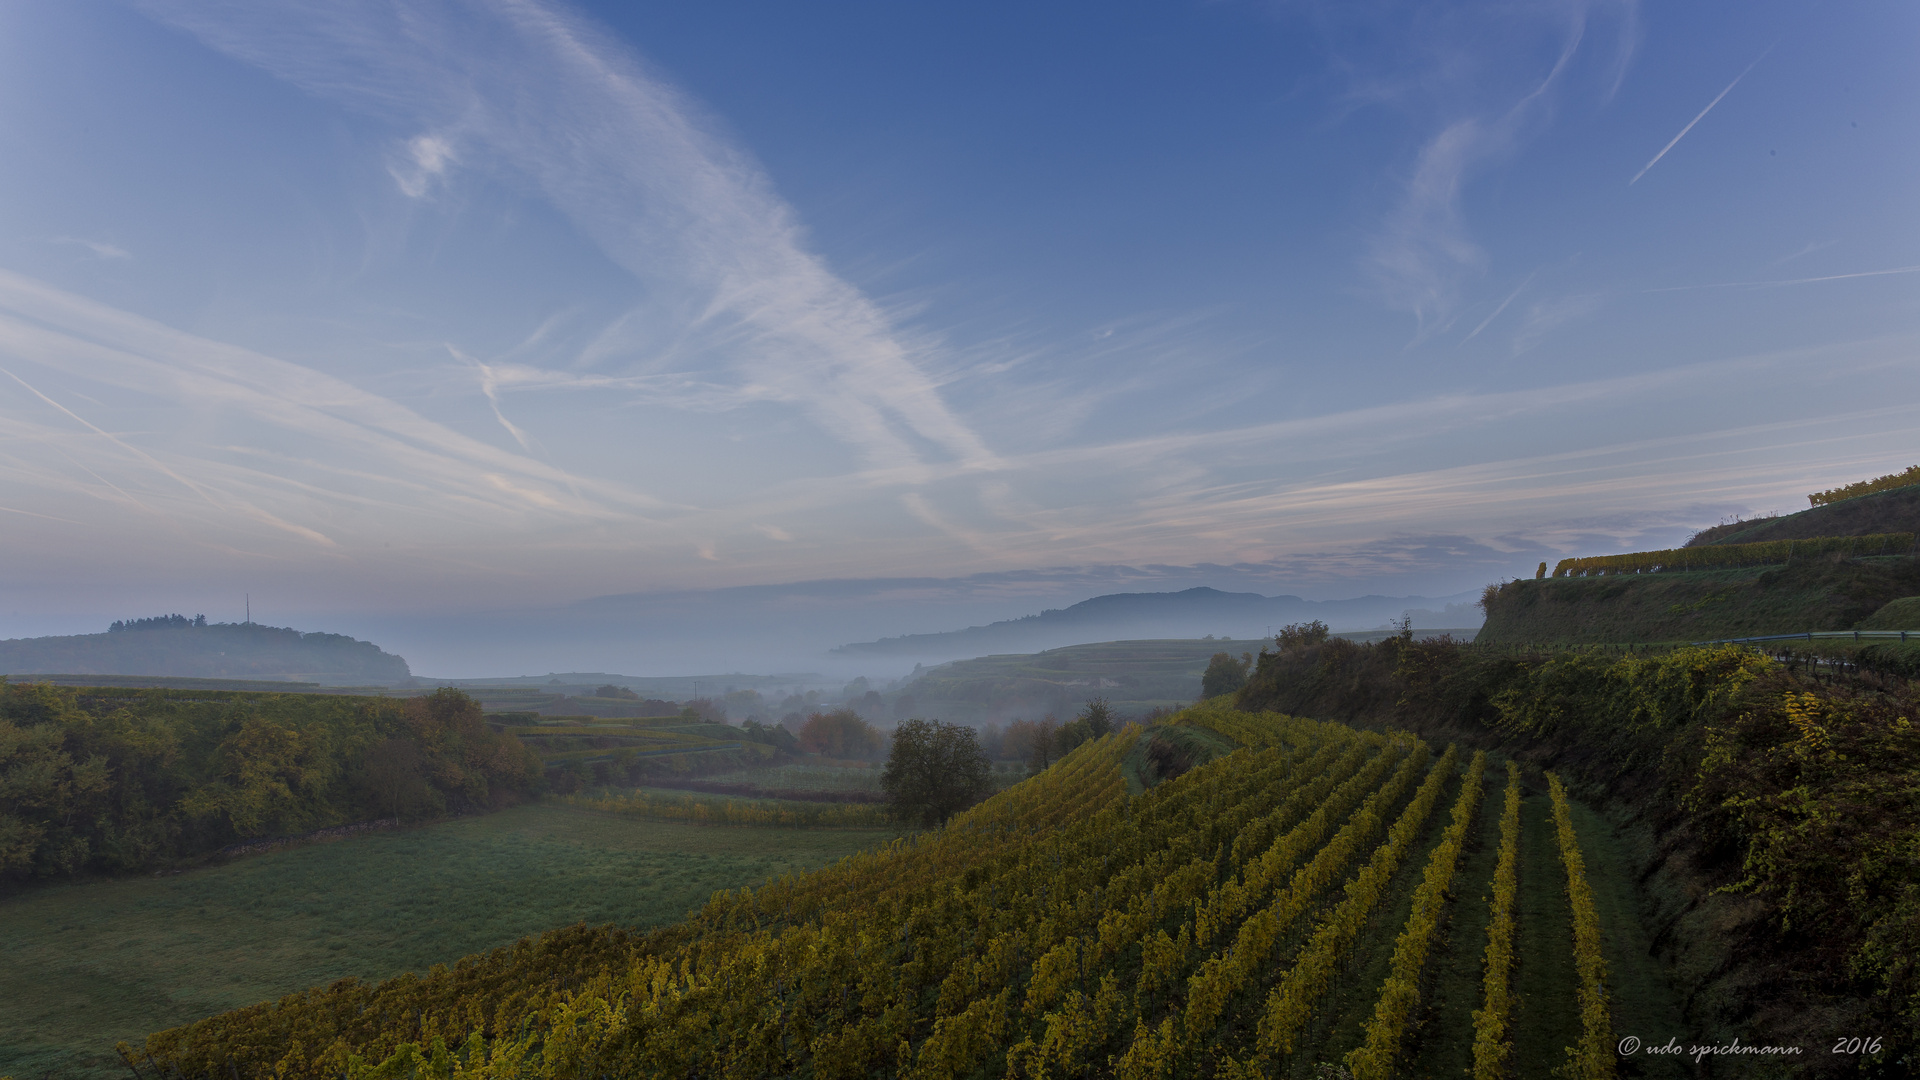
[1098, 716]
[934, 771]
[1302, 635]
[1224, 674]
[1030, 741]
[393, 770]
[1068, 737]
[772, 734]
[839, 734]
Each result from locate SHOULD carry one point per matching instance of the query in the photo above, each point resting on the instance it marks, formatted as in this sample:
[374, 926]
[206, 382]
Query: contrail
[1697, 119]
[1790, 281]
[1484, 323]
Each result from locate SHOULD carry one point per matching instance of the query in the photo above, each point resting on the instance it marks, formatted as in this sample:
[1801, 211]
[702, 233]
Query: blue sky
[394, 310]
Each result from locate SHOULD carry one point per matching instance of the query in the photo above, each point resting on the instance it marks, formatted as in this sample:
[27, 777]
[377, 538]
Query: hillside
[1255, 914]
[1819, 594]
[209, 651]
[1135, 677]
[1882, 512]
[1190, 613]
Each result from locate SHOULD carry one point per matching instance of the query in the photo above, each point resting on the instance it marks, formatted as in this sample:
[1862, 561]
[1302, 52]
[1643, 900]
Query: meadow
[102, 960]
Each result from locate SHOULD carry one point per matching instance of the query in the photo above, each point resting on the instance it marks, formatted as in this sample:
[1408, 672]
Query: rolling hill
[1882, 512]
[184, 648]
[1190, 613]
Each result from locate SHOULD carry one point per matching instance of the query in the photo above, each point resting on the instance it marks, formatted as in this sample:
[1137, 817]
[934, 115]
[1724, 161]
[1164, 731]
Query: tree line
[116, 780]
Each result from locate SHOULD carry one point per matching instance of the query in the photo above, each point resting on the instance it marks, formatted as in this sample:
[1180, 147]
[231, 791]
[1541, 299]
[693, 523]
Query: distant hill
[1191, 613]
[183, 648]
[1893, 511]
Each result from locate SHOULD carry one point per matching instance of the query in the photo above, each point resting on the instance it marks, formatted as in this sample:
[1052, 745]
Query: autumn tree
[934, 771]
[1032, 741]
[839, 734]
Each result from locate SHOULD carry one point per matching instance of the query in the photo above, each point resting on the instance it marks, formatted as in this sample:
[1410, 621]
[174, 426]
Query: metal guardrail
[1814, 635]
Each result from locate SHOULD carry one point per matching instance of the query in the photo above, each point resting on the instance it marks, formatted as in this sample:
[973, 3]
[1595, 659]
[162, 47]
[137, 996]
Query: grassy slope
[1546, 1015]
[1883, 512]
[100, 961]
[1824, 594]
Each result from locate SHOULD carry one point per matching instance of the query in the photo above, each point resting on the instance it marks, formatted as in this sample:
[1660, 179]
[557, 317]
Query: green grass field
[92, 963]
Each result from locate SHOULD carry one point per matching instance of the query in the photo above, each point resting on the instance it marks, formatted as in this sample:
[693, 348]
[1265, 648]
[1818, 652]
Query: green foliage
[1295, 636]
[117, 781]
[1723, 556]
[934, 771]
[1224, 674]
[1816, 792]
[1907, 478]
[1629, 707]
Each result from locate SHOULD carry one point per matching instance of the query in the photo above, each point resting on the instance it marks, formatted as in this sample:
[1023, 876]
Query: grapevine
[1593, 1058]
[1492, 1042]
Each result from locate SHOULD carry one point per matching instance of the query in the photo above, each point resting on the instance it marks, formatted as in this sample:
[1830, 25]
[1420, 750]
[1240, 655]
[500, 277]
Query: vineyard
[1889, 482]
[1293, 903]
[1724, 556]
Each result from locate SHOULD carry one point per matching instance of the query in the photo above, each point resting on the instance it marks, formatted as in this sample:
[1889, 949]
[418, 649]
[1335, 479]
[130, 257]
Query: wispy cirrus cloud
[1482, 78]
[100, 249]
[426, 161]
[202, 432]
[640, 170]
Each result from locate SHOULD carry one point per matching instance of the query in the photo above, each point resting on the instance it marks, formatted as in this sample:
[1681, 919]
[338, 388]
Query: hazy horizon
[444, 325]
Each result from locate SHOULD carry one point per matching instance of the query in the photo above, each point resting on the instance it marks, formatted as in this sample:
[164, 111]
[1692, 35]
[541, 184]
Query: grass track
[1644, 1001]
[1546, 1015]
[99, 961]
[1454, 981]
